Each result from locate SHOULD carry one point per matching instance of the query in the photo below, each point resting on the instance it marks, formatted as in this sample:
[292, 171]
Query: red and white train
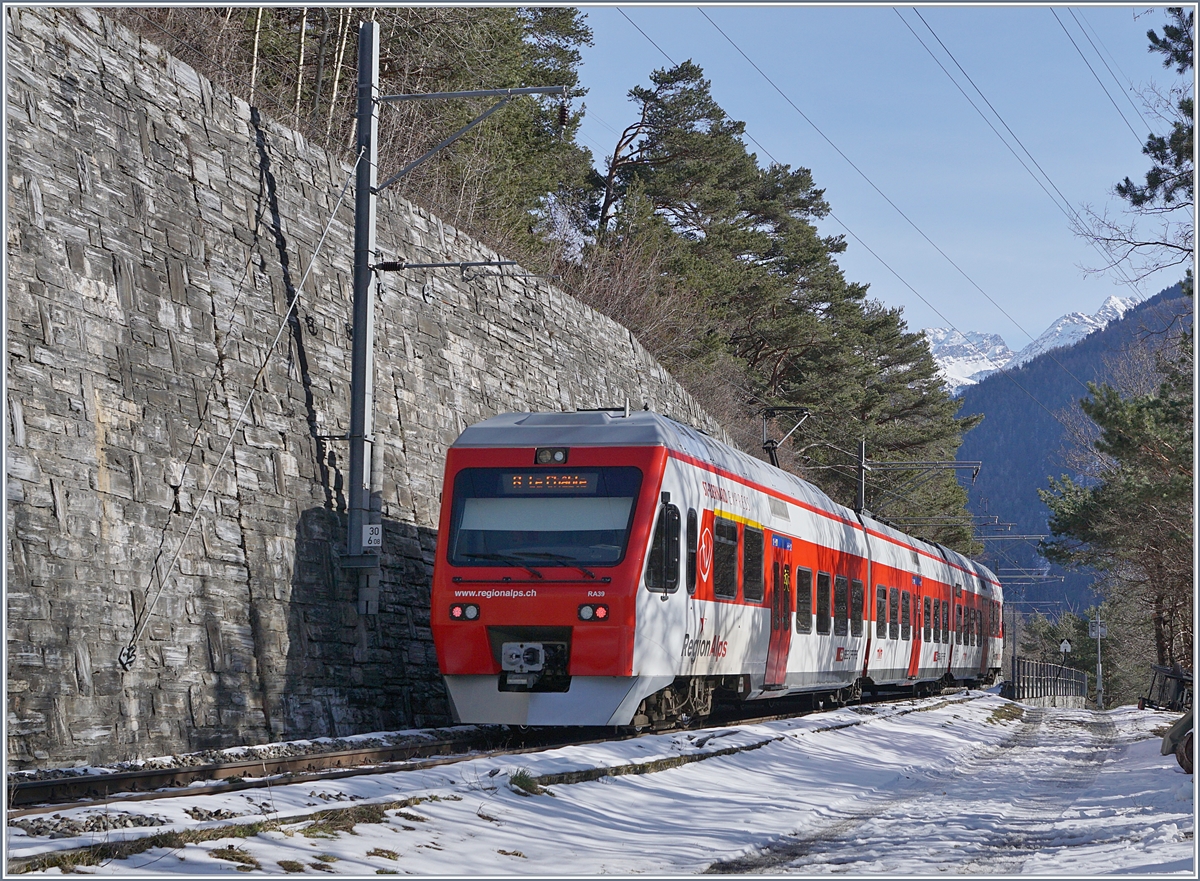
[596, 568]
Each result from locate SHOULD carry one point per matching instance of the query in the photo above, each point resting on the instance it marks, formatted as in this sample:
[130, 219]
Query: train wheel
[1183, 754]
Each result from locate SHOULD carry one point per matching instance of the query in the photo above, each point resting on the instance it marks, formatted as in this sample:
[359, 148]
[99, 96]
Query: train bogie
[595, 569]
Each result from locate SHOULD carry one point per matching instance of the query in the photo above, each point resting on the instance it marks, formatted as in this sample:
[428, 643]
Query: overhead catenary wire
[129, 654]
[646, 35]
[1007, 374]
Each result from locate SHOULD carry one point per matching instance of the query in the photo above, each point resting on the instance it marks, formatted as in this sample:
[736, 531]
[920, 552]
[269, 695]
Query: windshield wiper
[567, 561]
[505, 558]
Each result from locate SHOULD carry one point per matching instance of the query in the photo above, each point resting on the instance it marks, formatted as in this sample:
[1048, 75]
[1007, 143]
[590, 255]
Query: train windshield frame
[515, 516]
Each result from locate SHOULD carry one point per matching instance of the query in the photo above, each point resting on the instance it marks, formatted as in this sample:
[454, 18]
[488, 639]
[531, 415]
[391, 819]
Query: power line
[647, 36]
[1106, 67]
[901, 213]
[937, 312]
[870, 250]
[1065, 206]
[1136, 136]
[865, 177]
[1007, 374]
[1069, 211]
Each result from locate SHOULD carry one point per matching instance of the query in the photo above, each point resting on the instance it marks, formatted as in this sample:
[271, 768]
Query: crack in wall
[325, 458]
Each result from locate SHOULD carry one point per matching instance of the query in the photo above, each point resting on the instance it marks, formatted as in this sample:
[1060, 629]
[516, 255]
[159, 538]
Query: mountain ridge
[1021, 441]
[965, 359]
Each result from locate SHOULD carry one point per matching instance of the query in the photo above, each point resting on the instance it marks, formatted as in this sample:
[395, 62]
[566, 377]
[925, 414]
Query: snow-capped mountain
[965, 359]
[1073, 327]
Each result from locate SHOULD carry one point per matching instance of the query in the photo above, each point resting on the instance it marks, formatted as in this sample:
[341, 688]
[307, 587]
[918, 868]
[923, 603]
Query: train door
[985, 633]
[781, 611]
[912, 615]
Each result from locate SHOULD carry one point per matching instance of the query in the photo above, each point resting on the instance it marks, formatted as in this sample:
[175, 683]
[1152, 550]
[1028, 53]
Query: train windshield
[542, 517]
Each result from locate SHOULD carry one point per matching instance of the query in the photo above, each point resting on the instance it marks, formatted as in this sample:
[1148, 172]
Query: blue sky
[860, 75]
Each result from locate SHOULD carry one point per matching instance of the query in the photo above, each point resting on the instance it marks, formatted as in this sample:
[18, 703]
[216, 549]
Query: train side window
[785, 603]
[975, 626]
[958, 624]
[693, 537]
[856, 608]
[841, 605]
[894, 614]
[803, 600]
[823, 602]
[880, 611]
[752, 564]
[946, 622]
[725, 548]
[937, 620]
[928, 635]
[905, 615]
[662, 573]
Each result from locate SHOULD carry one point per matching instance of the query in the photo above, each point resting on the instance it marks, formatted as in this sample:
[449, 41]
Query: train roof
[641, 428]
[644, 428]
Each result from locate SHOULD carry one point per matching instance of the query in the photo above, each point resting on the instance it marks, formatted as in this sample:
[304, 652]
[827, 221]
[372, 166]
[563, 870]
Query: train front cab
[534, 586]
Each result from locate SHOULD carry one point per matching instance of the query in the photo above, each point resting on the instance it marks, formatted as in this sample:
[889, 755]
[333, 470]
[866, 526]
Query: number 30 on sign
[372, 535]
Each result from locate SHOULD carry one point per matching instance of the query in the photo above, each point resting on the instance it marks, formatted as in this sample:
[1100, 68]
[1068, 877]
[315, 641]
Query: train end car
[543, 536]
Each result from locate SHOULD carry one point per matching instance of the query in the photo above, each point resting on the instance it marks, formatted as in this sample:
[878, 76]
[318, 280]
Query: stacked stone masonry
[157, 229]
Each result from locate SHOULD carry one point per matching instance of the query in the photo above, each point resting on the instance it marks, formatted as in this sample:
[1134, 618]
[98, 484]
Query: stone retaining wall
[157, 229]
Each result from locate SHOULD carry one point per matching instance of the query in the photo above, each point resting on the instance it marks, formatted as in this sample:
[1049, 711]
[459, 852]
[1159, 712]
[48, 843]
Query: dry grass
[322, 824]
[328, 824]
[236, 854]
[1006, 713]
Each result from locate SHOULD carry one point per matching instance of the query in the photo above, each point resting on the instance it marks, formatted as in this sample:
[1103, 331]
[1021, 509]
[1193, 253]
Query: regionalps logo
[705, 553]
[712, 647]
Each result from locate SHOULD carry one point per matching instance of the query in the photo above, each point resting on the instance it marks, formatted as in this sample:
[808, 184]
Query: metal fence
[1043, 680]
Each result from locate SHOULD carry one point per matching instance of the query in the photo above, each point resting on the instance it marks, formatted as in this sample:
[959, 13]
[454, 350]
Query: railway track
[38, 796]
[31, 797]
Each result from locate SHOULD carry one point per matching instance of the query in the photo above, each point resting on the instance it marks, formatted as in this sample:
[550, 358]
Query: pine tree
[770, 304]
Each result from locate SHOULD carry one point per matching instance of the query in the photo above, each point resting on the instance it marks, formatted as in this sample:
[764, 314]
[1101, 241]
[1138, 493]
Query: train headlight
[464, 612]
[551, 456]
[592, 612]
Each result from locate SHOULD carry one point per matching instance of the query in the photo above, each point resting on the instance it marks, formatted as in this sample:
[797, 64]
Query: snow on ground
[966, 784]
